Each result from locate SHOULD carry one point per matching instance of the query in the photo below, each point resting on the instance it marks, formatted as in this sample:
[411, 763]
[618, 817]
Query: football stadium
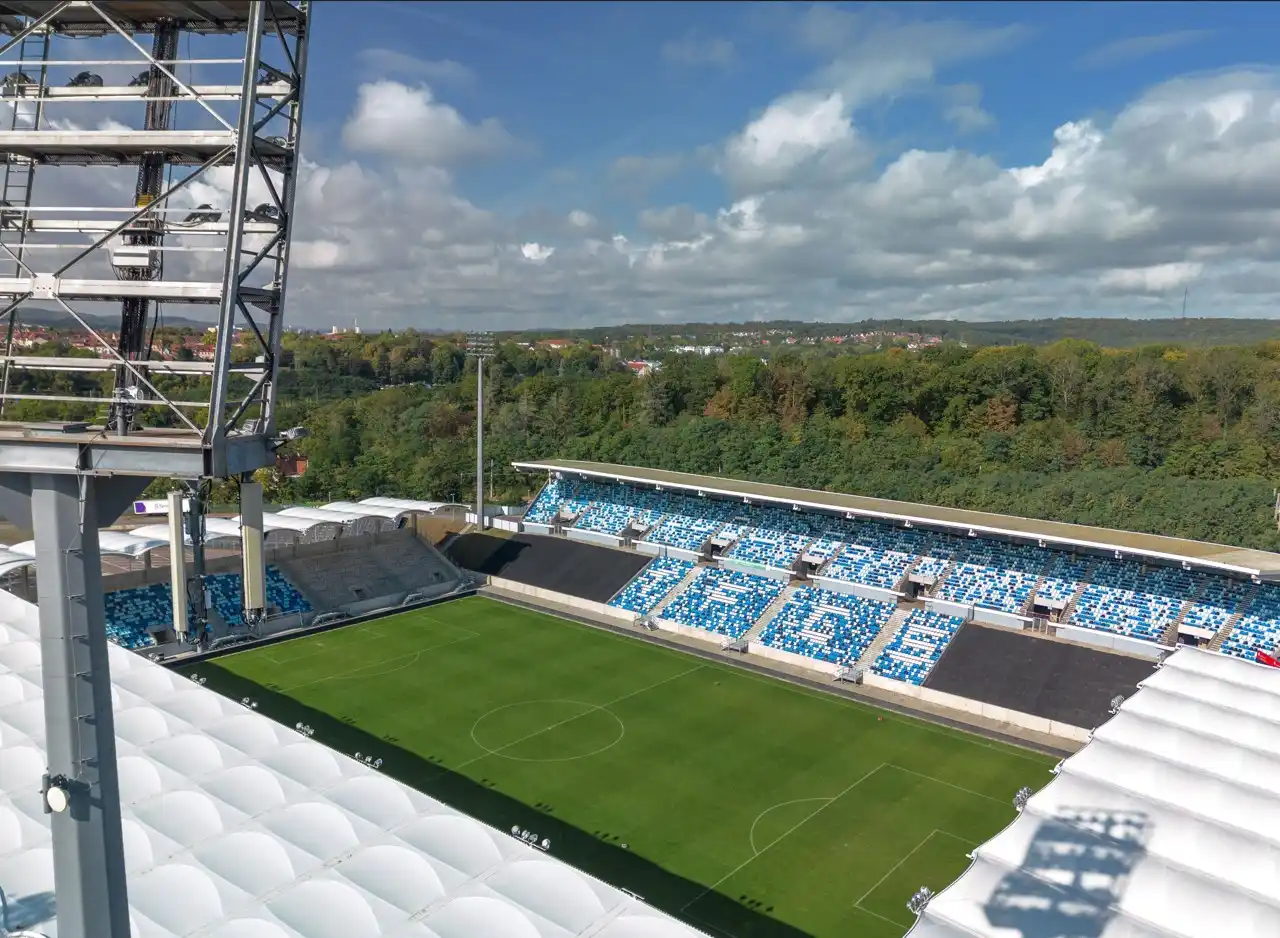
[645, 704]
[657, 704]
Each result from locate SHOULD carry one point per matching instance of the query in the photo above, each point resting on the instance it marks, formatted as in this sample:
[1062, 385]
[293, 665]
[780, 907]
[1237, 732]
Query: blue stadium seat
[994, 575]
[132, 614]
[1125, 599]
[651, 585]
[1217, 602]
[726, 602]
[874, 555]
[826, 626]
[1120, 597]
[1259, 628]
[917, 647]
[1062, 577]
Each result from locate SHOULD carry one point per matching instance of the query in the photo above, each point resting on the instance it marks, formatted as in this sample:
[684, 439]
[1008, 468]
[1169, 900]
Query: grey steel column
[88, 847]
[480, 442]
[199, 622]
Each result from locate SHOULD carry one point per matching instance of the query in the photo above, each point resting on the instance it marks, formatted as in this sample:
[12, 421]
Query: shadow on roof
[17, 913]
[1076, 869]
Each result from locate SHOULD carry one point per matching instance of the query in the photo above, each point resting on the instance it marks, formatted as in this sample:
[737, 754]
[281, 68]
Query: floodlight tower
[80, 437]
[480, 346]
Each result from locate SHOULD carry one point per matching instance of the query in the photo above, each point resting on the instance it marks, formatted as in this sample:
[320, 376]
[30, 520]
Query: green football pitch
[744, 805]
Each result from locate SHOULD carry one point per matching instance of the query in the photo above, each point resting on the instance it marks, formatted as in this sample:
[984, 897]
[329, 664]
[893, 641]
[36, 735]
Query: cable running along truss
[141, 179]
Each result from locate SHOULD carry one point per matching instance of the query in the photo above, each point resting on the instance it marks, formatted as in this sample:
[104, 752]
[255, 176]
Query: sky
[508, 165]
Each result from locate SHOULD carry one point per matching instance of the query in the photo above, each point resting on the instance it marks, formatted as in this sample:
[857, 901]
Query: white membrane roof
[237, 827]
[1165, 825]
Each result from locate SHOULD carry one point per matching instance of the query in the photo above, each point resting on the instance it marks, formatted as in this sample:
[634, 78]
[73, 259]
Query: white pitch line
[360, 673]
[546, 729]
[927, 837]
[967, 791]
[883, 918]
[751, 835]
[788, 832]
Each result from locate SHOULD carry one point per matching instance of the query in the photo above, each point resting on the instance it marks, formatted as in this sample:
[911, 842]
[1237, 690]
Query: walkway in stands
[969, 723]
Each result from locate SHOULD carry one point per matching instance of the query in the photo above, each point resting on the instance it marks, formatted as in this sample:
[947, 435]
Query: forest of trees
[1160, 438]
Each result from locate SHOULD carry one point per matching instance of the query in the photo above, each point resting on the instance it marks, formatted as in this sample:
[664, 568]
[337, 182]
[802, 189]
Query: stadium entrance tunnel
[599, 853]
[1055, 680]
[550, 563]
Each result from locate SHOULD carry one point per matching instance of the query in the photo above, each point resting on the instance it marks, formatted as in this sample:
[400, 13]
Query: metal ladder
[19, 177]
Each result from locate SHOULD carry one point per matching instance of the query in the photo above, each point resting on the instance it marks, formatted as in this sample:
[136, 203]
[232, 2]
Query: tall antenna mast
[480, 346]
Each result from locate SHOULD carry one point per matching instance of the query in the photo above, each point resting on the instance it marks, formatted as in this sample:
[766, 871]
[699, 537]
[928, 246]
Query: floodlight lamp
[140, 79]
[296, 433]
[202, 213]
[1116, 703]
[266, 211]
[15, 80]
[85, 80]
[55, 791]
[1022, 797]
[56, 799]
[917, 903]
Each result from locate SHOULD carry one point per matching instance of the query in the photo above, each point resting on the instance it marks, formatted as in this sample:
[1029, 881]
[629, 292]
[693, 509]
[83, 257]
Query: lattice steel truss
[206, 219]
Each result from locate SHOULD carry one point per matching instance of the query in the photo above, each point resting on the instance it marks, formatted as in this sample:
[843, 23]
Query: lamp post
[480, 346]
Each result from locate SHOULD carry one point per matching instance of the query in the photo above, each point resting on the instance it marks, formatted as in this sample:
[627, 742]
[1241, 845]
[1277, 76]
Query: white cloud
[692, 51]
[384, 63]
[1115, 215]
[395, 120]
[964, 109]
[874, 53]
[1122, 51]
[792, 134]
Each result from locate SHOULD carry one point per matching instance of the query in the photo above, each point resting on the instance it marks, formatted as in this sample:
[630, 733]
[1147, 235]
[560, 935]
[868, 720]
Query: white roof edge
[1120, 779]
[885, 515]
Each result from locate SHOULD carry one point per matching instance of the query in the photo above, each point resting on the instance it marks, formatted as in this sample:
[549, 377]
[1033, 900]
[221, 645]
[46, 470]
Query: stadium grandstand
[847, 581]
[343, 557]
[1162, 826]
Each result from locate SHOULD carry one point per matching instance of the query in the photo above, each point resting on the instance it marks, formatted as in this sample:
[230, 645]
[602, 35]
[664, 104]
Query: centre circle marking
[587, 708]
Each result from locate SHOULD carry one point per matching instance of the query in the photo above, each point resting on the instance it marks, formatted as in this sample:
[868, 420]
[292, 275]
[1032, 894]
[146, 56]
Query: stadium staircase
[1035, 590]
[936, 589]
[705, 547]
[1069, 609]
[901, 585]
[676, 590]
[884, 637]
[822, 570]
[632, 541]
[1170, 634]
[1221, 635]
[770, 613]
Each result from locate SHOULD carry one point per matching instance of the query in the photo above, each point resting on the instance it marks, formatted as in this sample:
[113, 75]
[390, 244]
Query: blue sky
[588, 83]
[587, 98]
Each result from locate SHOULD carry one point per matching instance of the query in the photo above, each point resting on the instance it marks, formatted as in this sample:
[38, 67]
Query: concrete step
[770, 613]
[674, 592]
[1221, 635]
[884, 636]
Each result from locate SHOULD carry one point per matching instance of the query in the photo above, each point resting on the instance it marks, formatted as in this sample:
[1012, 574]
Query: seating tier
[726, 602]
[917, 647]
[659, 577]
[826, 626]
